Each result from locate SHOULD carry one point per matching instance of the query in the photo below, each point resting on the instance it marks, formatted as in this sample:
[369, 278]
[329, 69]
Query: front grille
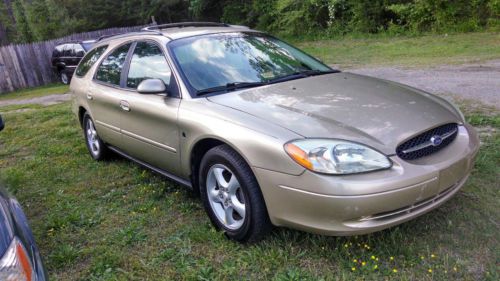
[426, 144]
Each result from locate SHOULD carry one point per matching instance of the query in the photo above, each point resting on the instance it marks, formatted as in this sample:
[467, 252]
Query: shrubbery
[300, 17]
[32, 20]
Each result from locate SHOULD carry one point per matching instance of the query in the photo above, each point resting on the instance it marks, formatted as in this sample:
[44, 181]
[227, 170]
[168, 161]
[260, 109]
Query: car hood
[346, 106]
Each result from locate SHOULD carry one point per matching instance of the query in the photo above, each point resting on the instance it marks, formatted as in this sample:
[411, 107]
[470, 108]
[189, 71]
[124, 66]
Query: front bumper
[364, 203]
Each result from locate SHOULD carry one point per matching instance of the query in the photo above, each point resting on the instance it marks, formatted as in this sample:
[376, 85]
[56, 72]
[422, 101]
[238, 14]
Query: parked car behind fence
[66, 57]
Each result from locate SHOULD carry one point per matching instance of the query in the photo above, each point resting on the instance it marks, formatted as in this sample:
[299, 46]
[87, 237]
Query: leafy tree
[24, 33]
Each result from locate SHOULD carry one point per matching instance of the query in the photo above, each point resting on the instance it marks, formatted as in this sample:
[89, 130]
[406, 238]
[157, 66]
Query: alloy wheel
[92, 138]
[226, 196]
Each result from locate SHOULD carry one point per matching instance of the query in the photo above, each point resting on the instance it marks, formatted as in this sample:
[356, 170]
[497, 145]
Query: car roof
[182, 32]
[177, 30]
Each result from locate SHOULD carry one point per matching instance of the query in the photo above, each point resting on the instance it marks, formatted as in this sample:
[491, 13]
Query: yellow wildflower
[433, 256]
[375, 267]
[372, 257]
[353, 268]
[394, 270]
[355, 260]
[429, 270]
[391, 258]
[363, 263]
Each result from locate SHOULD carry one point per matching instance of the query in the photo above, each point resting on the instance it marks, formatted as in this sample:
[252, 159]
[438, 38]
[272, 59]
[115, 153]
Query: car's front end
[371, 201]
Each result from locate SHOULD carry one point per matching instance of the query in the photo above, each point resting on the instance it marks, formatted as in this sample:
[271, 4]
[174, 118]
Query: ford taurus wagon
[268, 135]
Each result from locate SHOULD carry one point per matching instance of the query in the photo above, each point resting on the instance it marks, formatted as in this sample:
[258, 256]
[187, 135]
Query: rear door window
[111, 67]
[89, 60]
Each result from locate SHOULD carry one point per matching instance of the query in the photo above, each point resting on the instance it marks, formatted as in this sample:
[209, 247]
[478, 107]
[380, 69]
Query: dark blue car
[19, 256]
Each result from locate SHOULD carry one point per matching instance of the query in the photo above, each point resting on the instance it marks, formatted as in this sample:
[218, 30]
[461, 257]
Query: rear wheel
[232, 196]
[95, 145]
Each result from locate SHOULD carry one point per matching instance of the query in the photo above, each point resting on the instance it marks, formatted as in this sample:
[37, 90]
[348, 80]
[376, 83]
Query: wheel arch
[199, 149]
[81, 112]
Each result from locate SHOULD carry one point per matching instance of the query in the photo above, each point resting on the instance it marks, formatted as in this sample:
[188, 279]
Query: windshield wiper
[302, 74]
[230, 87]
[314, 72]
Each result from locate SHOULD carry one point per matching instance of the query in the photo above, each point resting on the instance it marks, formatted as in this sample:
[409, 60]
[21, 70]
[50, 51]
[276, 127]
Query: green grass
[35, 92]
[428, 50]
[116, 221]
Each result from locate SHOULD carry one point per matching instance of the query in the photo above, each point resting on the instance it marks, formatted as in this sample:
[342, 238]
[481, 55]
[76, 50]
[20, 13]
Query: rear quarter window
[89, 60]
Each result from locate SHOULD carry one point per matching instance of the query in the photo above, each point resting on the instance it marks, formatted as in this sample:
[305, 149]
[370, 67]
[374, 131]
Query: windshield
[214, 61]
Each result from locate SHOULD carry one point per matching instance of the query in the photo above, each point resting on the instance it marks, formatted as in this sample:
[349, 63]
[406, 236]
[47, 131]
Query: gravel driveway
[479, 82]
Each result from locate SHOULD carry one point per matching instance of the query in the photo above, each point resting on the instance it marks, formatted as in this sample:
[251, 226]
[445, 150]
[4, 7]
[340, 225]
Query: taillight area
[15, 265]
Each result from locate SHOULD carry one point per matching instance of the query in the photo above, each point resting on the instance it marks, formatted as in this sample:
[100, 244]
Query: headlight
[15, 264]
[336, 156]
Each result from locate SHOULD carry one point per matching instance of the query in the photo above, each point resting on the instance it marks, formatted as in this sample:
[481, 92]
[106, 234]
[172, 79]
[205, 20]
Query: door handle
[124, 105]
[89, 96]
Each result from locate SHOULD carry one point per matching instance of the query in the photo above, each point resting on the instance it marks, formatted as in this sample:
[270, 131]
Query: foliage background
[34, 20]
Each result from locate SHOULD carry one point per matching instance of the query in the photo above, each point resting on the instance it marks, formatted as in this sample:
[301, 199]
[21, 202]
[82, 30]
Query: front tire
[95, 145]
[231, 195]
[64, 77]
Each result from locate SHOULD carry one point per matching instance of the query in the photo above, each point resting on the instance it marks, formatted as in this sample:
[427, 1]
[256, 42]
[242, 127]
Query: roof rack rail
[127, 33]
[185, 24]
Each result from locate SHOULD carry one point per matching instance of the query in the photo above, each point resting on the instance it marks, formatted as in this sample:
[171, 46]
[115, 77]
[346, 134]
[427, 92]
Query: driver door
[149, 122]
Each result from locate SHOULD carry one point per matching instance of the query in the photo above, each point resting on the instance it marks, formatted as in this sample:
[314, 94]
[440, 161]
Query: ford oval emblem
[436, 140]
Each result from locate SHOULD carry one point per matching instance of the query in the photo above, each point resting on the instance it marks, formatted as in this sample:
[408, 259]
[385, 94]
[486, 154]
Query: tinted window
[58, 51]
[110, 69]
[147, 62]
[89, 60]
[68, 50]
[79, 51]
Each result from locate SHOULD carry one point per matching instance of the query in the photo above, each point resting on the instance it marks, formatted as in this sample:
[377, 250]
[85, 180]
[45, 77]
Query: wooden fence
[29, 65]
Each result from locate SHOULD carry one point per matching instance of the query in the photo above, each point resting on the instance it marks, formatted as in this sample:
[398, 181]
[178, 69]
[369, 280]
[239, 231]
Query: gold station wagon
[268, 135]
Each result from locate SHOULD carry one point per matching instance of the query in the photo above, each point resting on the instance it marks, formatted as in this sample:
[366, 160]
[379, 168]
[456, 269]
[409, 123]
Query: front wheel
[95, 145]
[64, 77]
[231, 195]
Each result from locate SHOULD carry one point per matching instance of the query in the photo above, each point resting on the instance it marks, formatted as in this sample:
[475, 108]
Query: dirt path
[479, 82]
[45, 100]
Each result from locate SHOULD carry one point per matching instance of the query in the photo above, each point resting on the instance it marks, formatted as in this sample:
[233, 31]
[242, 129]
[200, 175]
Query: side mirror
[152, 86]
[2, 125]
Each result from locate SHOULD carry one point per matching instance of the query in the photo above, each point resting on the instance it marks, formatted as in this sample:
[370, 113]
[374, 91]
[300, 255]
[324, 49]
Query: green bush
[32, 20]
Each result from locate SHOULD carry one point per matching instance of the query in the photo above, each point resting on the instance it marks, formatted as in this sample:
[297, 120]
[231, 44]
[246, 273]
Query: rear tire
[231, 195]
[95, 145]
